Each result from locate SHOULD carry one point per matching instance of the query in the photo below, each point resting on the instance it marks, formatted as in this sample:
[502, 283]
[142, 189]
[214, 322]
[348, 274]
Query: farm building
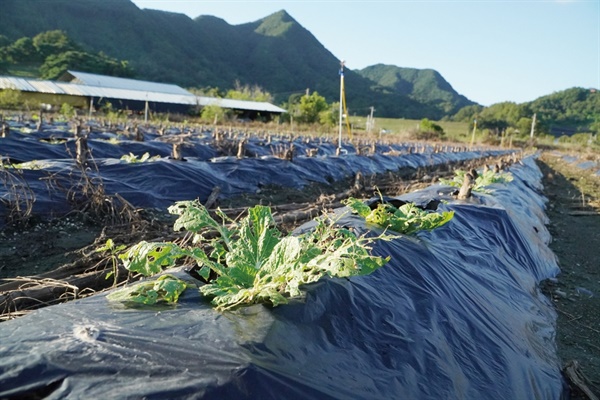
[85, 90]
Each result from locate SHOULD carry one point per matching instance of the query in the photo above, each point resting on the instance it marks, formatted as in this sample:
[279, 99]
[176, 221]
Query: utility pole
[341, 100]
[474, 130]
[91, 108]
[533, 125]
[370, 122]
[146, 109]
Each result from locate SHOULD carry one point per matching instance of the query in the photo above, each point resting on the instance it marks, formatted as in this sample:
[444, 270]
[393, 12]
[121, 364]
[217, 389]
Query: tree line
[53, 53]
[308, 109]
[568, 112]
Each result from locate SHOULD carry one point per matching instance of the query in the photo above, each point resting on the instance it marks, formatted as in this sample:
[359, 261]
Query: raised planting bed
[454, 313]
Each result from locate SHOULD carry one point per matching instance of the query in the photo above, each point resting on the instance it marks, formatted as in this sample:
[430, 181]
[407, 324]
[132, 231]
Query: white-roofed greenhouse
[82, 89]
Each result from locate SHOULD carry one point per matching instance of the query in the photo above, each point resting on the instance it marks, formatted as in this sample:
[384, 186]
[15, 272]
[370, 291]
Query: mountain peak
[275, 24]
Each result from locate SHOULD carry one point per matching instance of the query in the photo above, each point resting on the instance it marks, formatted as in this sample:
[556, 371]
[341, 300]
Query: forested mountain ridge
[275, 53]
[567, 112]
[423, 85]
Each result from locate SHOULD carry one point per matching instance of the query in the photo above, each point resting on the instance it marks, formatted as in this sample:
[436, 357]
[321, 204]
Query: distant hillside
[423, 85]
[275, 53]
[568, 111]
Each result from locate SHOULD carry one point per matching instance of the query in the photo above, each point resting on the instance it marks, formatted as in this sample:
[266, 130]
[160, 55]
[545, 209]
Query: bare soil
[574, 213]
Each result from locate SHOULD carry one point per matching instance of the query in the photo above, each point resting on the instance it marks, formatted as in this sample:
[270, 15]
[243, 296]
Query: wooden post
[81, 146]
[214, 196]
[341, 116]
[241, 149]
[359, 182]
[5, 130]
[312, 152]
[467, 186]
[40, 121]
[474, 130]
[289, 153]
[139, 135]
[176, 151]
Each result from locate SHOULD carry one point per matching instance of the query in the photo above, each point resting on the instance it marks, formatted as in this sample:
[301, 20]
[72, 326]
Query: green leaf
[406, 219]
[169, 288]
[204, 272]
[257, 230]
[239, 272]
[149, 258]
[255, 243]
[284, 257]
[194, 217]
[109, 245]
[483, 180]
[166, 288]
[358, 206]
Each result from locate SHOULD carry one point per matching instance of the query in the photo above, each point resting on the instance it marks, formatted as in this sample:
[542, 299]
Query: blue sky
[488, 50]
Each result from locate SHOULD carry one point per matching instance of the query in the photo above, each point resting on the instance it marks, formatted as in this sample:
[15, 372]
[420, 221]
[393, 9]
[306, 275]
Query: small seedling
[406, 219]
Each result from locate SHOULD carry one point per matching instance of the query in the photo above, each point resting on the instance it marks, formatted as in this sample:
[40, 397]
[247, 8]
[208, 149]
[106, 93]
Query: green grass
[456, 131]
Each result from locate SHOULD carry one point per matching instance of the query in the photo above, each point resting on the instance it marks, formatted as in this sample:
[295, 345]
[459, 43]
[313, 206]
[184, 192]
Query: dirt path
[574, 212]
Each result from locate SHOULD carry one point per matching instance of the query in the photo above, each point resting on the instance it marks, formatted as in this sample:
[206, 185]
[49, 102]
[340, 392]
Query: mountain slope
[423, 85]
[275, 53]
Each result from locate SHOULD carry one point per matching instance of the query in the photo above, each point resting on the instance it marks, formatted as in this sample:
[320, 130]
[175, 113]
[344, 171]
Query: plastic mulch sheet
[455, 314]
[52, 172]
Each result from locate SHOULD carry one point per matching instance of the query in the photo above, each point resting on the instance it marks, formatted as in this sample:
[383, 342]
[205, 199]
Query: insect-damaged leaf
[407, 219]
[149, 258]
[166, 288]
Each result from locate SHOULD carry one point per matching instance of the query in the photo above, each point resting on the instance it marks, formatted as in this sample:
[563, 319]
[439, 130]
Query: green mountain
[568, 111]
[275, 53]
[426, 86]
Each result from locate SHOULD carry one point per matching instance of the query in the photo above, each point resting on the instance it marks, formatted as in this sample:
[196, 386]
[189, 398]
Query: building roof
[100, 86]
[239, 104]
[85, 78]
[74, 89]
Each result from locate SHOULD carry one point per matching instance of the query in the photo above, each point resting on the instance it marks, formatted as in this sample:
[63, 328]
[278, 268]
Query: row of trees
[304, 109]
[570, 111]
[54, 53]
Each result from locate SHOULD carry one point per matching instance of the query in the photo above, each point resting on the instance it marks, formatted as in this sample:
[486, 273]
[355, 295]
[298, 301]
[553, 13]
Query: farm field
[235, 170]
[146, 177]
[458, 131]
